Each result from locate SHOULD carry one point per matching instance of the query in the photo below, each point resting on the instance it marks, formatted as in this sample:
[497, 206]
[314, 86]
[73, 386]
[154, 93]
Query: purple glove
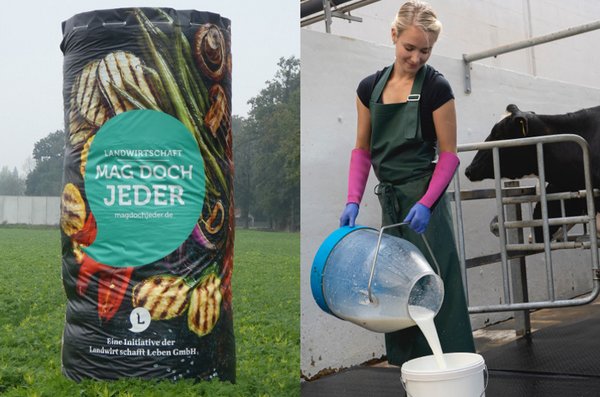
[349, 215]
[418, 218]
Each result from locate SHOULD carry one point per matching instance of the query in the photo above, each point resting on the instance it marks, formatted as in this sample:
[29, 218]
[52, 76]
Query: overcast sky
[31, 102]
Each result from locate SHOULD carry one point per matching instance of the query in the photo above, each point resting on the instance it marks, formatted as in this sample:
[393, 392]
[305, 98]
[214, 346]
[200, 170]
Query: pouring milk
[424, 319]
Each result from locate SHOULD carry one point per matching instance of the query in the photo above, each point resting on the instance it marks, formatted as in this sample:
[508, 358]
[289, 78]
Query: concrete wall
[29, 210]
[478, 25]
[332, 66]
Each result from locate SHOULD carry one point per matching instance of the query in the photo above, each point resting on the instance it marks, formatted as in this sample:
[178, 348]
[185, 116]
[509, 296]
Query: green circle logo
[145, 185]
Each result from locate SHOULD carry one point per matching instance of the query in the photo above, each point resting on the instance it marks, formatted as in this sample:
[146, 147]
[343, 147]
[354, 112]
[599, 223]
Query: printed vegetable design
[214, 223]
[164, 296]
[171, 76]
[122, 81]
[87, 234]
[79, 128]
[72, 211]
[112, 285]
[205, 305]
[210, 51]
[218, 109]
[88, 97]
[167, 297]
[202, 111]
[84, 155]
[73, 219]
[112, 282]
[188, 79]
[201, 239]
[121, 74]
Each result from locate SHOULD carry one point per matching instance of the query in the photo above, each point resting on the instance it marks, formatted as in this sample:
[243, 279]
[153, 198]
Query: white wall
[29, 210]
[332, 66]
[477, 25]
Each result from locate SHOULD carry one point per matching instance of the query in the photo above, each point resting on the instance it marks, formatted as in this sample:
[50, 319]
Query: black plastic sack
[147, 209]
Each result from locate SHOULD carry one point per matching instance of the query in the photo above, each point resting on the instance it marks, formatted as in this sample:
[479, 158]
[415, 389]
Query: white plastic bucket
[465, 376]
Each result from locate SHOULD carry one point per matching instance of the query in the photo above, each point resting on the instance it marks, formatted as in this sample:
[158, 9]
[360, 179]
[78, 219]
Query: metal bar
[346, 8]
[460, 236]
[571, 220]
[520, 250]
[531, 42]
[518, 268]
[502, 230]
[491, 258]
[468, 58]
[545, 226]
[540, 247]
[539, 305]
[435, 262]
[524, 321]
[522, 142]
[375, 261]
[549, 196]
[590, 205]
[439, 272]
[340, 15]
[563, 213]
[531, 211]
[477, 194]
[327, 15]
[467, 76]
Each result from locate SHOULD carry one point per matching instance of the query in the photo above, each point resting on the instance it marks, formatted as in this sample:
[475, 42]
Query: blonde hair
[419, 14]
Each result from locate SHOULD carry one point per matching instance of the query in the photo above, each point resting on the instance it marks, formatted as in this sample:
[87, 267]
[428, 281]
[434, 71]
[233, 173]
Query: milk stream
[424, 319]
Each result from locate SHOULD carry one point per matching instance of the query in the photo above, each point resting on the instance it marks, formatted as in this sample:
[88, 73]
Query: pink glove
[442, 175]
[360, 164]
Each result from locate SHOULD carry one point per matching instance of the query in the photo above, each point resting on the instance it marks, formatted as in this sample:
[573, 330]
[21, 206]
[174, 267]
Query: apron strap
[415, 92]
[376, 94]
[390, 202]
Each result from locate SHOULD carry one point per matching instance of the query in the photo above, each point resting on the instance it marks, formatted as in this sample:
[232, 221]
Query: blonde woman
[405, 111]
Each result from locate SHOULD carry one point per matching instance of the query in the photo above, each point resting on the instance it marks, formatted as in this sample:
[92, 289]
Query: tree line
[45, 178]
[266, 150]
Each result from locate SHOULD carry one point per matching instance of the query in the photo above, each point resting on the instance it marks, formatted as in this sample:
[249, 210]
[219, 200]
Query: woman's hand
[418, 218]
[349, 215]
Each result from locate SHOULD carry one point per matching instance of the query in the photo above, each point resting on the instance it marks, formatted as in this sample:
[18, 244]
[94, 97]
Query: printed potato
[79, 128]
[164, 296]
[84, 155]
[88, 97]
[205, 305]
[123, 83]
[72, 210]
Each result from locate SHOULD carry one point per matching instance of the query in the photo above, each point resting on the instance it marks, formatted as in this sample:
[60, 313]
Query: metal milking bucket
[369, 278]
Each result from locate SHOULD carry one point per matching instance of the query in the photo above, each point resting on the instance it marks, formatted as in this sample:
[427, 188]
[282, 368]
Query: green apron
[402, 162]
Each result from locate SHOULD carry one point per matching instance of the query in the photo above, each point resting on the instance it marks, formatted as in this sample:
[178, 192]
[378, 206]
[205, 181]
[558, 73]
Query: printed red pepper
[111, 290]
[87, 234]
[112, 285]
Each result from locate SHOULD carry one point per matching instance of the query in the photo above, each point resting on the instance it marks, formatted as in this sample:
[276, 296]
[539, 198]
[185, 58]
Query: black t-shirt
[435, 92]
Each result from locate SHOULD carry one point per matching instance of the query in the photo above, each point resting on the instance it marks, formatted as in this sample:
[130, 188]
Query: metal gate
[512, 248]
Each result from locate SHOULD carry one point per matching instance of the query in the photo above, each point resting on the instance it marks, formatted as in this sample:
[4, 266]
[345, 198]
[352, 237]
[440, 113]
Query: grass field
[266, 320]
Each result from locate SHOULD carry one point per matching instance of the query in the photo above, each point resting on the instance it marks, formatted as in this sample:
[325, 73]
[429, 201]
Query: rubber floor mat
[385, 382]
[356, 382]
[558, 361]
[512, 384]
[572, 349]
